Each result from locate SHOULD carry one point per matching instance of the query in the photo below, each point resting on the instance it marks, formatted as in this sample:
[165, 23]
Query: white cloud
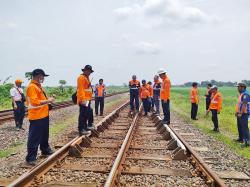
[8, 25]
[147, 48]
[153, 13]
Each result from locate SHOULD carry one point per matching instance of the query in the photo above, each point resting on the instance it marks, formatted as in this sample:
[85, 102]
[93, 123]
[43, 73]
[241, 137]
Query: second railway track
[122, 151]
[6, 115]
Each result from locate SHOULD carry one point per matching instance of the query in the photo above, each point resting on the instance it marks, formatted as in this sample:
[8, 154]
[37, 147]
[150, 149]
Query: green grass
[227, 121]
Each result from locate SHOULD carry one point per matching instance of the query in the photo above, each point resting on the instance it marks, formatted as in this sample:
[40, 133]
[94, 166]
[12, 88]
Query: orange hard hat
[19, 81]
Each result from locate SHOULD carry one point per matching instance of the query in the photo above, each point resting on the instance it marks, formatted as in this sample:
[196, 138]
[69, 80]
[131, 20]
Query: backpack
[74, 98]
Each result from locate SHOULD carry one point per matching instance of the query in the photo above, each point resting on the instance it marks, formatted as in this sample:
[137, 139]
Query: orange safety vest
[100, 89]
[144, 92]
[84, 89]
[194, 96]
[134, 85]
[165, 89]
[35, 94]
[150, 89]
[239, 105]
[216, 102]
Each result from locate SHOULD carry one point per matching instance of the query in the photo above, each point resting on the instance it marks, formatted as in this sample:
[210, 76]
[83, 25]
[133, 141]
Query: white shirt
[15, 94]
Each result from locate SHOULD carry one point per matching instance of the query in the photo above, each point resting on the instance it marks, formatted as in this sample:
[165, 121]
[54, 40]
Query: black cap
[39, 72]
[88, 67]
[241, 84]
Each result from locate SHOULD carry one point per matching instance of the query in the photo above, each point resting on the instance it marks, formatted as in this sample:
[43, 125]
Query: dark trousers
[156, 103]
[150, 104]
[38, 135]
[215, 119]
[85, 117]
[134, 98]
[19, 114]
[166, 110]
[194, 110]
[242, 123]
[207, 103]
[99, 101]
[146, 105]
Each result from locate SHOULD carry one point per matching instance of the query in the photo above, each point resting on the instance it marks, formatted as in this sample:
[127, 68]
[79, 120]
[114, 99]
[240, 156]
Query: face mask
[40, 80]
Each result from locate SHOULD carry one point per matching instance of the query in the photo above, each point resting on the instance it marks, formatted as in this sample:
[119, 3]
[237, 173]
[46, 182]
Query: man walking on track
[18, 100]
[84, 96]
[99, 97]
[156, 94]
[194, 98]
[134, 86]
[165, 95]
[38, 115]
[215, 106]
[242, 113]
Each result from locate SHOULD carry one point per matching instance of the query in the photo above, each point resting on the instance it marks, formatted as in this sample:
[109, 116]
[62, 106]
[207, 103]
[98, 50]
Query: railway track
[6, 115]
[123, 151]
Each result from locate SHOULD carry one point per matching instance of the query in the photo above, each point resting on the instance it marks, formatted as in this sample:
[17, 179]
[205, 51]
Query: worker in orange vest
[84, 96]
[150, 89]
[194, 98]
[145, 97]
[156, 94]
[208, 95]
[242, 113]
[165, 95]
[38, 115]
[134, 86]
[99, 96]
[215, 106]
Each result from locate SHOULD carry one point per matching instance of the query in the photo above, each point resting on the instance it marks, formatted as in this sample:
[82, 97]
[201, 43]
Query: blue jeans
[166, 110]
[38, 136]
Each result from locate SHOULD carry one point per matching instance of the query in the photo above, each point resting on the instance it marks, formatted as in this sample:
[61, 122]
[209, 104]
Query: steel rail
[116, 168]
[9, 114]
[212, 177]
[35, 173]
[204, 168]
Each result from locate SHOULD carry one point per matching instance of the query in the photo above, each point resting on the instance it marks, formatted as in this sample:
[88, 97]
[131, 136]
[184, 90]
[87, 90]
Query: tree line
[217, 83]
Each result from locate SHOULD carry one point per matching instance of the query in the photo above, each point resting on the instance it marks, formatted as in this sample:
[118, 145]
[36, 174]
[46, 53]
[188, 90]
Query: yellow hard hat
[19, 81]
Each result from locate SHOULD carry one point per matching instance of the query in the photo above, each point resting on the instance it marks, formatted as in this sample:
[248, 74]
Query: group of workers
[214, 104]
[39, 104]
[151, 95]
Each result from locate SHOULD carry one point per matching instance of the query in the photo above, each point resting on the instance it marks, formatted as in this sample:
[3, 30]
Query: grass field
[227, 121]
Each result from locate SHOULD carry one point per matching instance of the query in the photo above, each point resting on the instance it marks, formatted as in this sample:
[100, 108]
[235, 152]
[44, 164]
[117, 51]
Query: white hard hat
[214, 87]
[161, 71]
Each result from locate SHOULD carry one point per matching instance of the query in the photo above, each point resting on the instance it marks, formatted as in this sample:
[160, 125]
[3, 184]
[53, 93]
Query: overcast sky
[193, 40]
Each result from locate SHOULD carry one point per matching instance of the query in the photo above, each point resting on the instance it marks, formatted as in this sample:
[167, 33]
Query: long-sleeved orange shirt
[144, 92]
[35, 94]
[194, 95]
[216, 102]
[150, 89]
[165, 88]
[84, 89]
